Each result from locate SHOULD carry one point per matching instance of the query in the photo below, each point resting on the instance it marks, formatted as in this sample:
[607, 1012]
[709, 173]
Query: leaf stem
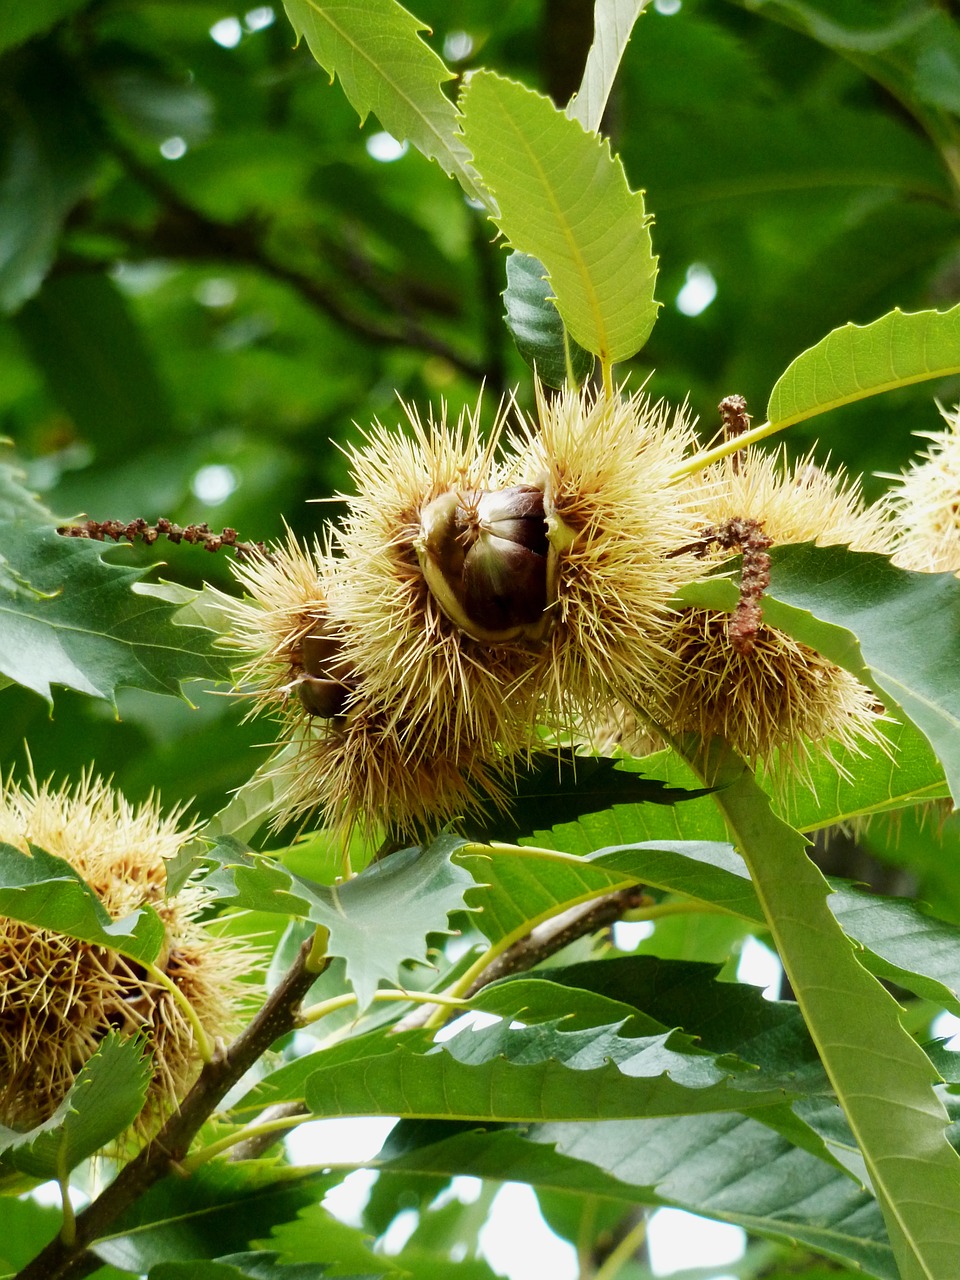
[258, 1129]
[205, 1046]
[704, 459]
[624, 1251]
[316, 960]
[318, 1011]
[68, 1227]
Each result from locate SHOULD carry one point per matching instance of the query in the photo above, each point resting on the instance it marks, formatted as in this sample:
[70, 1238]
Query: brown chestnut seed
[515, 513]
[504, 585]
[484, 555]
[317, 652]
[324, 698]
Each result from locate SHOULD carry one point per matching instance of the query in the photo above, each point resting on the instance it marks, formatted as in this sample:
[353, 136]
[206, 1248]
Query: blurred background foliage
[211, 278]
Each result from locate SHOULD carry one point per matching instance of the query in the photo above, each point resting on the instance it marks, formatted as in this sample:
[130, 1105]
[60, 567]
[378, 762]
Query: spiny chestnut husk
[613, 516]
[283, 628]
[441, 583]
[343, 749]
[926, 504]
[59, 997]
[775, 696]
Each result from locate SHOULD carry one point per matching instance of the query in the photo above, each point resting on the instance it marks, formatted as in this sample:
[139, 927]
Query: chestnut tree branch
[278, 1016]
[187, 232]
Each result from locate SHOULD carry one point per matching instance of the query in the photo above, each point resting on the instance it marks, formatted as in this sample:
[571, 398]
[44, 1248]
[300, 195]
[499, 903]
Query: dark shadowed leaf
[81, 333]
[220, 1209]
[535, 325]
[21, 22]
[48, 155]
[562, 786]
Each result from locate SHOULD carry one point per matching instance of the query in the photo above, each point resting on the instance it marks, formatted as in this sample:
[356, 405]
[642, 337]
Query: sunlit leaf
[857, 361]
[612, 24]
[564, 199]
[383, 66]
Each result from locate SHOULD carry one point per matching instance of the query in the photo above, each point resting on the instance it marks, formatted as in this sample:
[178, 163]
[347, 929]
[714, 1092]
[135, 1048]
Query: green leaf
[220, 1209]
[377, 921]
[898, 940]
[45, 891]
[535, 325]
[727, 1167]
[48, 156]
[27, 1227]
[898, 632]
[413, 1070]
[69, 617]
[613, 22]
[106, 1097]
[262, 1265]
[564, 199]
[316, 1236]
[857, 361]
[384, 67]
[23, 21]
[240, 818]
[82, 335]
[913, 51]
[560, 787]
[882, 1078]
[890, 775]
[512, 1071]
[902, 943]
